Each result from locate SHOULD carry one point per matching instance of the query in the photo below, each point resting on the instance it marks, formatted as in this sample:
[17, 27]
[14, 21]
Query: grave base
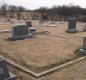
[12, 77]
[22, 37]
[71, 30]
[82, 52]
[46, 32]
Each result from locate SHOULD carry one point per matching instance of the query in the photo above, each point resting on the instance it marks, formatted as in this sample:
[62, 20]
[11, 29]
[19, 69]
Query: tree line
[10, 10]
[55, 13]
[64, 12]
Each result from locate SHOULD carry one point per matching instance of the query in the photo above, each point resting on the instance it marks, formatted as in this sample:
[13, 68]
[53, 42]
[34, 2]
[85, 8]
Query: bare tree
[4, 10]
[11, 10]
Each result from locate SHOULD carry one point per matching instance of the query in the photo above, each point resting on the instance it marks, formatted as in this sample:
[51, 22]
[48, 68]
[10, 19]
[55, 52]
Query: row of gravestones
[4, 73]
[23, 31]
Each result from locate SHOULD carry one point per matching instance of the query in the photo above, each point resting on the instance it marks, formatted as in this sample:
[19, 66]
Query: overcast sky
[34, 4]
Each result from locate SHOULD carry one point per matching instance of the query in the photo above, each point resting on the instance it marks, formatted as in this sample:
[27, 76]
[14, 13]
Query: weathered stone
[4, 73]
[72, 25]
[84, 28]
[29, 23]
[19, 32]
[83, 50]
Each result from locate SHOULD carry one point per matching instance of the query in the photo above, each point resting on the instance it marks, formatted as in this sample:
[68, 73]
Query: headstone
[84, 28]
[29, 23]
[84, 43]
[72, 25]
[83, 50]
[40, 23]
[53, 24]
[4, 73]
[19, 32]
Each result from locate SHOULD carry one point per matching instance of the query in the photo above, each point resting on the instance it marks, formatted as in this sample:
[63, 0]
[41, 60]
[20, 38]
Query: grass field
[42, 51]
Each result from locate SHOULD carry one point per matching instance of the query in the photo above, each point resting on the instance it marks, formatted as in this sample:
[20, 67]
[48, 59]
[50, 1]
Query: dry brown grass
[42, 50]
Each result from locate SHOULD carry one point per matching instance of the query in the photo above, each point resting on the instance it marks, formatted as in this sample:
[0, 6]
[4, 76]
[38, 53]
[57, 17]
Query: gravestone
[83, 50]
[20, 32]
[72, 25]
[40, 23]
[4, 73]
[84, 28]
[29, 23]
[53, 24]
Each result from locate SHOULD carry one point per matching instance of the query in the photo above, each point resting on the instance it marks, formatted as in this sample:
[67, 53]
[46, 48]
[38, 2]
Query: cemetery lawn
[42, 51]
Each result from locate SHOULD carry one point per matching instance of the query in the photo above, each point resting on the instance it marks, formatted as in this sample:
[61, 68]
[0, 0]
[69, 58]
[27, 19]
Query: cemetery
[42, 40]
[39, 52]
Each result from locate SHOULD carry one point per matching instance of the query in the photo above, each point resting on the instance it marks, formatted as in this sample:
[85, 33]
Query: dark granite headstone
[19, 32]
[3, 70]
[83, 50]
[71, 25]
[4, 73]
[84, 43]
[84, 28]
[29, 23]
